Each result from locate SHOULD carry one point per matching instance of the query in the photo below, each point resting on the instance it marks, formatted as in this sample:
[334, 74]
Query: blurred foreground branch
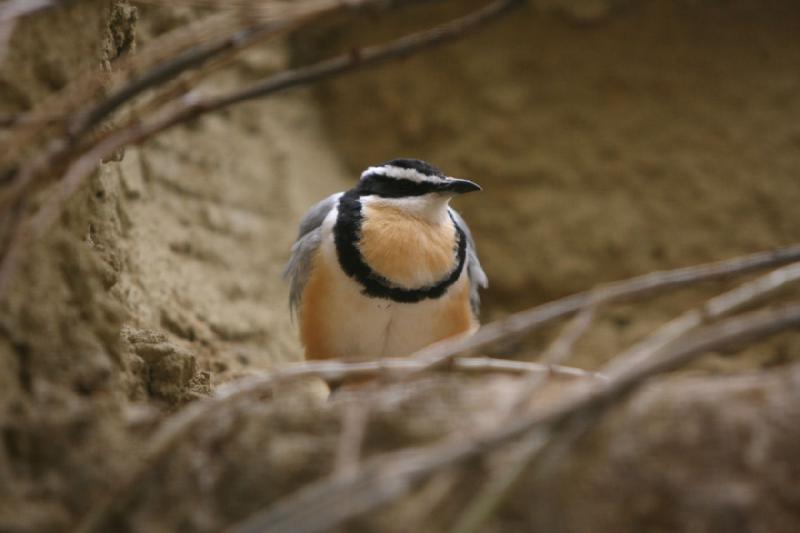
[184, 107]
[531, 319]
[332, 372]
[330, 502]
[10, 13]
[478, 512]
[390, 476]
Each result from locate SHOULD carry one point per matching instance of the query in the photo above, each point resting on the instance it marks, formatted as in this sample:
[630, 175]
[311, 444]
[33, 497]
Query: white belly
[359, 327]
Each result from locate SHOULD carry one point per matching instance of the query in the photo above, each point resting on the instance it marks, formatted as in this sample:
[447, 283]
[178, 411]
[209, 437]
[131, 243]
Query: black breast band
[347, 233]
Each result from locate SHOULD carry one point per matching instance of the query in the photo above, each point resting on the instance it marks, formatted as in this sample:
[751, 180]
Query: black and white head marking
[402, 178]
[396, 179]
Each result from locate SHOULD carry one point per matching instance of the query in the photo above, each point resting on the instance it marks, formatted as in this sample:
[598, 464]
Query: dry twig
[488, 500]
[13, 10]
[177, 426]
[478, 511]
[561, 348]
[354, 425]
[162, 60]
[637, 287]
[333, 372]
[81, 122]
[715, 308]
[80, 94]
[190, 107]
[319, 506]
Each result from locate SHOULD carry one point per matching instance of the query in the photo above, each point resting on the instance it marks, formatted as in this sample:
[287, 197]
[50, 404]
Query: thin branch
[333, 372]
[354, 424]
[24, 233]
[64, 109]
[162, 73]
[537, 454]
[159, 54]
[11, 12]
[369, 56]
[318, 507]
[60, 108]
[713, 309]
[15, 9]
[478, 511]
[337, 372]
[481, 508]
[173, 53]
[557, 353]
[290, 16]
[355, 60]
[284, 17]
[8, 120]
[561, 349]
[483, 365]
[82, 122]
[190, 107]
[531, 319]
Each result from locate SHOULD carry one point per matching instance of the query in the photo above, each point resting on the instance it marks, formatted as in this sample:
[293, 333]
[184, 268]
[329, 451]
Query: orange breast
[409, 251]
[311, 315]
[456, 315]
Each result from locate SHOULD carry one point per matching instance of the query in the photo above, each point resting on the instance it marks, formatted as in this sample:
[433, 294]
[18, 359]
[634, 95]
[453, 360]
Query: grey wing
[298, 269]
[477, 277]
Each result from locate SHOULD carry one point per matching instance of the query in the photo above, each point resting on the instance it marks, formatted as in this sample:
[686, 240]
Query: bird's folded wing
[298, 268]
[477, 277]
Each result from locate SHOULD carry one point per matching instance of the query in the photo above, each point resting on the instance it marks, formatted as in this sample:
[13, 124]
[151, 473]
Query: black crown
[415, 164]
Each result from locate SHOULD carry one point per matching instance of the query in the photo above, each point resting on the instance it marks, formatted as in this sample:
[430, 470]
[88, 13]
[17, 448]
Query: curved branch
[189, 108]
[320, 506]
[531, 319]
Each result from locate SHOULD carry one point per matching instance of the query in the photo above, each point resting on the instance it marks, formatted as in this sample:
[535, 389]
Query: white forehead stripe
[401, 173]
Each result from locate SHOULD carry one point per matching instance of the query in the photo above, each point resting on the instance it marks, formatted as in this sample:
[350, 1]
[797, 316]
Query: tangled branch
[75, 146]
[187, 106]
[488, 500]
[537, 317]
[320, 506]
[390, 476]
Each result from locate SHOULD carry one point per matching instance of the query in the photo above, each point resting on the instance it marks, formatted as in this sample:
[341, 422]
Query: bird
[387, 267]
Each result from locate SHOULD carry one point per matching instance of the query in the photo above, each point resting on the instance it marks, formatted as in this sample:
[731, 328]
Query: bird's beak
[458, 186]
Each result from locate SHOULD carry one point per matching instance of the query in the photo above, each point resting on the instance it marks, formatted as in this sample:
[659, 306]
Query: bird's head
[412, 185]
